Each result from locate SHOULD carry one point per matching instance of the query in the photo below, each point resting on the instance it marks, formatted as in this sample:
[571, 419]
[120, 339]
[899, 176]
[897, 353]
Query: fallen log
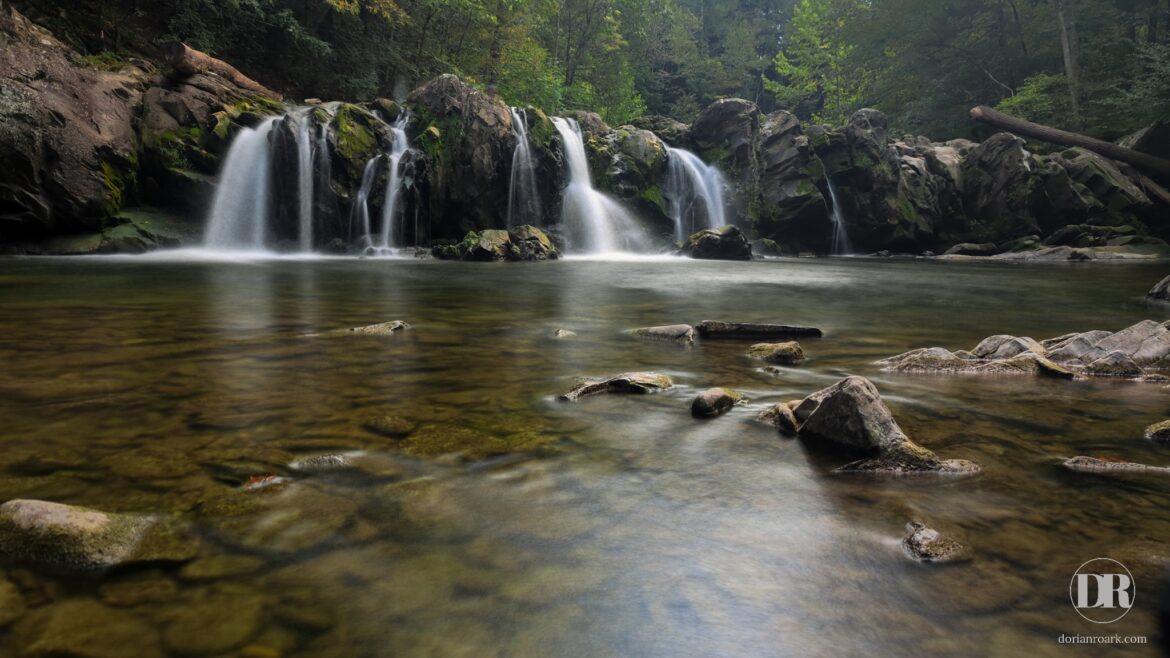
[1065, 138]
[186, 61]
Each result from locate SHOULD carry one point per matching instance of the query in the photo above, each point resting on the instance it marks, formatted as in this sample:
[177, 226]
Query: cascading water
[305, 181]
[594, 222]
[361, 206]
[840, 245]
[392, 233]
[523, 199]
[688, 180]
[241, 207]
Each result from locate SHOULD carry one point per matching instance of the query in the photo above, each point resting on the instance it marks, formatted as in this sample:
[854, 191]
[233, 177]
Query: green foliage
[1043, 98]
[106, 61]
[814, 66]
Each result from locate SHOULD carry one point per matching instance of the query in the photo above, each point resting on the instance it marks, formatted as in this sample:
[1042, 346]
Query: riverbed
[614, 526]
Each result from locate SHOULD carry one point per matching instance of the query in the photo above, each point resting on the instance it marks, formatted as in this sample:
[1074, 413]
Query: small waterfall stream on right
[840, 244]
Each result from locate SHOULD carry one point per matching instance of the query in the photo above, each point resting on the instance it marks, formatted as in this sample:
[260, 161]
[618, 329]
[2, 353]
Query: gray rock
[780, 416]
[675, 333]
[1147, 343]
[630, 382]
[381, 329]
[928, 545]
[1114, 364]
[788, 354]
[972, 249]
[1161, 291]
[714, 402]
[1159, 432]
[84, 628]
[715, 329]
[1085, 464]
[321, 463]
[1003, 347]
[69, 538]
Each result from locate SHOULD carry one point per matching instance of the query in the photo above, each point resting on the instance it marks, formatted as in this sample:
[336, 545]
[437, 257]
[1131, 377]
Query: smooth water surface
[615, 526]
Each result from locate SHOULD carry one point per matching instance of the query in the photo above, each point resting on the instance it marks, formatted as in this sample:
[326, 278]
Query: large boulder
[723, 243]
[68, 152]
[727, 134]
[523, 243]
[671, 131]
[851, 416]
[632, 163]
[1000, 181]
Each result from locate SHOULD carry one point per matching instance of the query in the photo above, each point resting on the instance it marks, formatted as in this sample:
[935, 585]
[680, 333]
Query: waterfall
[689, 179]
[240, 209]
[392, 231]
[305, 181]
[840, 245]
[361, 205]
[523, 199]
[594, 222]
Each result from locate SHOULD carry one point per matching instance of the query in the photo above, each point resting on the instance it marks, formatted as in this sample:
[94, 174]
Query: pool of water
[615, 526]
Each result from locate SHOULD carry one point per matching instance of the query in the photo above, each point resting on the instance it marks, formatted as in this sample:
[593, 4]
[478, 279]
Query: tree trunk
[1070, 47]
[187, 61]
[1065, 138]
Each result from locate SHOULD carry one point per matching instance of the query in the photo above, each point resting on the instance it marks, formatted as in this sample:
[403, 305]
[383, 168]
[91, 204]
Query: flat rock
[972, 249]
[1110, 466]
[787, 354]
[1159, 432]
[675, 333]
[630, 382]
[715, 402]
[381, 329]
[84, 628]
[69, 538]
[717, 329]
[929, 545]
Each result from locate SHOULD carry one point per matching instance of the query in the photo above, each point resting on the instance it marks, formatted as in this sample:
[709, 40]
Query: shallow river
[615, 526]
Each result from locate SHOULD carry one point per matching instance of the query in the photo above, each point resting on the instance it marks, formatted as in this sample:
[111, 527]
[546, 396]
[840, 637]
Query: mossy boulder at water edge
[723, 243]
[523, 243]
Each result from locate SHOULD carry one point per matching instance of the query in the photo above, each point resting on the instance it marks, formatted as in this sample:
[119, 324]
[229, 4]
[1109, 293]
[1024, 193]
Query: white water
[305, 181]
[594, 222]
[361, 205]
[690, 180]
[241, 207]
[840, 245]
[391, 223]
[523, 199]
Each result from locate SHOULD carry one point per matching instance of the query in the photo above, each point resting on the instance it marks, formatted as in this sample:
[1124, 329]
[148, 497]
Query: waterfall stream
[393, 234]
[690, 180]
[840, 244]
[304, 123]
[523, 198]
[240, 209]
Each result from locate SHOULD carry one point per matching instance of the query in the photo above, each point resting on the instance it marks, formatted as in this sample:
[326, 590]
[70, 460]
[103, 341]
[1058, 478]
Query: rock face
[674, 333]
[630, 382]
[851, 416]
[718, 329]
[928, 545]
[723, 243]
[78, 539]
[785, 354]
[1161, 291]
[1127, 353]
[523, 243]
[715, 402]
[793, 208]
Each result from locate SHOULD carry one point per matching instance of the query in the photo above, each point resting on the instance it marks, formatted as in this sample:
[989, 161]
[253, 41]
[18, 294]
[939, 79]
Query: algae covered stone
[1159, 432]
[630, 382]
[715, 402]
[785, 354]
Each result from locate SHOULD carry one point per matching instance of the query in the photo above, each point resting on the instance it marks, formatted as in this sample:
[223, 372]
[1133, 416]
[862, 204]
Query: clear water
[156, 385]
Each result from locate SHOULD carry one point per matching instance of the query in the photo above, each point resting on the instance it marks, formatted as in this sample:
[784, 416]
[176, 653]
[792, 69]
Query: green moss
[653, 194]
[115, 183]
[105, 61]
[541, 131]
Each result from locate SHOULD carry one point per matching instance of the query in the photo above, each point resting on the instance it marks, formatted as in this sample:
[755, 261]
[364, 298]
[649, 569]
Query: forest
[1100, 67]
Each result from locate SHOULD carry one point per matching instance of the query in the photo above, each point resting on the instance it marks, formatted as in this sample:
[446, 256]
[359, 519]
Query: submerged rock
[630, 382]
[389, 426]
[215, 623]
[69, 538]
[723, 243]
[851, 415]
[787, 354]
[1161, 291]
[564, 333]
[676, 333]
[1085, 464]
[928, 545]
[1159, 432]
[84, 628]
[715, 402]
[381, 329]
[12, 605]
[718, 329]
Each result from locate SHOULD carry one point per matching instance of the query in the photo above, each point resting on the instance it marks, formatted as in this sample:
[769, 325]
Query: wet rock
[1161, 291]
[1159, 432]
[1085, 464]
[718, 329]
[788, 354]
[321, 463]
[630, 382]
[766, 247]
[723, 243]
[12, 605]
[523, 243]
[928, 545]
[972, 249]
[84, 628]
[851, 415]
[1114, 364]
[675, 333]
[214, 623]
[564, 333]
[780, 416]
[69, 538]
[380, 329]
[281, 520]
[215, 567]
[389, 426]
[714, 402]
[139, 589]
[1004, 347]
